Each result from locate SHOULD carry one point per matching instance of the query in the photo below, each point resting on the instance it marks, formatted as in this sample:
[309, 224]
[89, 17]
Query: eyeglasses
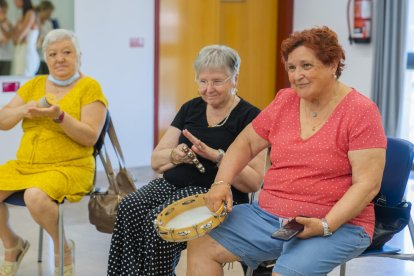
[203, 84]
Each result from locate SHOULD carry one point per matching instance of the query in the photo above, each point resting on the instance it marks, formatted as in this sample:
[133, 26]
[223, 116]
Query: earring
[234, 91]
[334, 75]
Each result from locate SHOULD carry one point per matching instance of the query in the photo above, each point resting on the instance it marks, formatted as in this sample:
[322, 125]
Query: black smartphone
[288, 231]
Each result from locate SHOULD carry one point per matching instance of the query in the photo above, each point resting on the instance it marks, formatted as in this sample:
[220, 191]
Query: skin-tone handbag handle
[116, 145]
[108, 169]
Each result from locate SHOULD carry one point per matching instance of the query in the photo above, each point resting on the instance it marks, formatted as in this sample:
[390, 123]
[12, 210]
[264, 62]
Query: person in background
[44, 12]
[26, 59]
[327, 160]
[6, 31]
[62, 115]
[207, 125]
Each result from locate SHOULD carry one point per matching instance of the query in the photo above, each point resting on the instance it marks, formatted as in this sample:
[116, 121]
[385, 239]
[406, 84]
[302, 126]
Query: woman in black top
[207, 125]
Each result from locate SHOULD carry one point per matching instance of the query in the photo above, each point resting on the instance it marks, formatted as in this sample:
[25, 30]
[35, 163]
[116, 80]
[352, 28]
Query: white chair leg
[249, 271]
[411, 229]
[61, 245]
[40, 246]
[342, 270]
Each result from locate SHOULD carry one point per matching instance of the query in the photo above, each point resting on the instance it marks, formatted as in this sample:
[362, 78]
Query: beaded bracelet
[219, 183]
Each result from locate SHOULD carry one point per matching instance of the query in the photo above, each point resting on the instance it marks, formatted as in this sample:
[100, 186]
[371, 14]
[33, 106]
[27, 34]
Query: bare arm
[7, 29]
[251, 175]
[12, 113]
[168, 154]
[367, 170]
[87, 130]
[246, 146]
[160, 158]
[248, 179]
[21, 31]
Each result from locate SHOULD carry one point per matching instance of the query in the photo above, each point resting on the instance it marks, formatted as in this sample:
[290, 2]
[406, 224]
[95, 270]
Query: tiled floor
[92, 246]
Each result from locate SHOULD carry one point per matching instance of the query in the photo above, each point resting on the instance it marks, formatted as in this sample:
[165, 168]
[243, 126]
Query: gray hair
[59, 35]
[217, 57]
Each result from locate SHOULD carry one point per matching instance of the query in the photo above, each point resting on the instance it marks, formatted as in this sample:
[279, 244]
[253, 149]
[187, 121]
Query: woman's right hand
[25, 109]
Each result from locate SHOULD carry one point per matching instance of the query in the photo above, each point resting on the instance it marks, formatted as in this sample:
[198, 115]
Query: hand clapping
[31, 110]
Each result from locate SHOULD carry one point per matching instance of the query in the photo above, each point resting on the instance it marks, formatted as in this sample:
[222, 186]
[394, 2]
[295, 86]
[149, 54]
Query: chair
[399, 160]
[18, 199]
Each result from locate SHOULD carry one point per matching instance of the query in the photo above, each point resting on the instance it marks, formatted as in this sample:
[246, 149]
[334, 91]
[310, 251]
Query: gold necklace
[222, 122]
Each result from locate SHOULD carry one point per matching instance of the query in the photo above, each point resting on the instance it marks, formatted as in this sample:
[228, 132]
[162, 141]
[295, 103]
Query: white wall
[105, 29]
[359, 57]
[10, 139]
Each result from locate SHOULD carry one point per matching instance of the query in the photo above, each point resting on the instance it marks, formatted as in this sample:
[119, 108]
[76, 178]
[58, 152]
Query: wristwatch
[326, 231]
[220, 157]
[59, 118]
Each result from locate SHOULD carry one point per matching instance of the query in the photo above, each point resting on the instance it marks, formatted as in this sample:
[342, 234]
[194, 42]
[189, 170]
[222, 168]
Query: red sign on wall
[136, 42]
[10, 87]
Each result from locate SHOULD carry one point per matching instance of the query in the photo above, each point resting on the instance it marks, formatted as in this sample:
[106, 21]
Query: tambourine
[187, 219]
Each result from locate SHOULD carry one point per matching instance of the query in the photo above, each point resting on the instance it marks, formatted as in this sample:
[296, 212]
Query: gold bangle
[172, 158]
[219, 183]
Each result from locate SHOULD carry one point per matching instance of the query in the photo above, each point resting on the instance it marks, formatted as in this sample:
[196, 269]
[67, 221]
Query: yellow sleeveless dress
[47, 158]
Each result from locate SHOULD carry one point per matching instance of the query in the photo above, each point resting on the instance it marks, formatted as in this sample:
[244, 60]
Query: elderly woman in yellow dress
[62, 115]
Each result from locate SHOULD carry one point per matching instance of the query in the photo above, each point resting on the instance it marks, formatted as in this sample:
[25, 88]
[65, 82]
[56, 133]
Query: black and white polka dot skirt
[136, 248]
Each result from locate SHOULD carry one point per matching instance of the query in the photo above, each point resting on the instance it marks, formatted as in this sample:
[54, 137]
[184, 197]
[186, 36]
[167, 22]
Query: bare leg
[7, 236]
[205, 256]
[45, 212]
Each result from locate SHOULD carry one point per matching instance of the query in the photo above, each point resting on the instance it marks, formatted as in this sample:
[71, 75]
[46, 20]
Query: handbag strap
[117, 147]
[106, 161]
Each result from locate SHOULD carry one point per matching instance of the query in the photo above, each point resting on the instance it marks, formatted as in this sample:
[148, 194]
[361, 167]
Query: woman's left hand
[313, 227]
[199, 147]
[35, 112]
[218, 194]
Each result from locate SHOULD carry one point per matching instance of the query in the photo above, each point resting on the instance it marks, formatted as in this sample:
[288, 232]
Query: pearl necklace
[66, 82]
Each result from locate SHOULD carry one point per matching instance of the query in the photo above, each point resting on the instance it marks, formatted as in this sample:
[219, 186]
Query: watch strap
[220, 156]
[59, 119]
[326, 230]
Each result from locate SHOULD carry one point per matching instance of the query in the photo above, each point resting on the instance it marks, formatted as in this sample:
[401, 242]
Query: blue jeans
[247, 234]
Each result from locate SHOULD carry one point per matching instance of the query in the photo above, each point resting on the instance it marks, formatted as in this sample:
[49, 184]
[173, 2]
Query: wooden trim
[284, 28]
[156, 67]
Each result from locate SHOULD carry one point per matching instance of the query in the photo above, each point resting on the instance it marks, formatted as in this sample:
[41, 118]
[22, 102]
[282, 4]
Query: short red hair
[322, 40]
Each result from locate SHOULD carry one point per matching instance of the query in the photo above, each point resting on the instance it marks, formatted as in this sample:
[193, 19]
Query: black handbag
[389, 220]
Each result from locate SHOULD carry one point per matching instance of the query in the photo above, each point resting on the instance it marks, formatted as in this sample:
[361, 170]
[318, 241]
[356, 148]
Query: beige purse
[103, 206]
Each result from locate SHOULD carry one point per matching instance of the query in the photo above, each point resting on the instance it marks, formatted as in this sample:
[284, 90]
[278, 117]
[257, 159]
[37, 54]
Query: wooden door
[249, 26]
